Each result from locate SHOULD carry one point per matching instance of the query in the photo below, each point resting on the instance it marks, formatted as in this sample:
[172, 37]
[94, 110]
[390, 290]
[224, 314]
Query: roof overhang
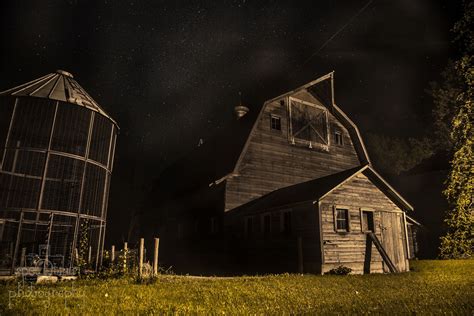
[411, 220]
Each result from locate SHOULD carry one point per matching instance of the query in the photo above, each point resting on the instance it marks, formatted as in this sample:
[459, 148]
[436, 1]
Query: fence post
[112, 254]
[125, 251]
[155, 256]
[140, 261]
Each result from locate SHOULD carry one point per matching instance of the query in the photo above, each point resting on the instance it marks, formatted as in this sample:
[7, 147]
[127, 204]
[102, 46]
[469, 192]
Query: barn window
[338, 138]
[308, 125]
[342, 219]
[266, 224]
[275, 122]
[367, 223]
[286, 222]
[248, 226]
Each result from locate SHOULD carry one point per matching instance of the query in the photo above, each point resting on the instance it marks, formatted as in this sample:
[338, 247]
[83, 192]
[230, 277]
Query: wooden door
[393, 239]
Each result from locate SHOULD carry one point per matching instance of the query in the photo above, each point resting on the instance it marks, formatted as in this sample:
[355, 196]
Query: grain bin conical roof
[59, 86]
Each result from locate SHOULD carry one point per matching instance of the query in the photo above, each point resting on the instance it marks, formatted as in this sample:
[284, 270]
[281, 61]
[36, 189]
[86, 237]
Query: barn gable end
[275, 158]
[349, 248]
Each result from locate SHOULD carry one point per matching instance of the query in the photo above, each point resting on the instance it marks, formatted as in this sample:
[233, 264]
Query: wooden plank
[393, 268]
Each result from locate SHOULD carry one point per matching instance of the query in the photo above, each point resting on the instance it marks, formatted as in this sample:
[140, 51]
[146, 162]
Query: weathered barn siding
[349, 248]
[271, 162]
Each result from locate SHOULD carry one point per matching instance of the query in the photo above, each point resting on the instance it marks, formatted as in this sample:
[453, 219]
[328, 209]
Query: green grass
[433, 287]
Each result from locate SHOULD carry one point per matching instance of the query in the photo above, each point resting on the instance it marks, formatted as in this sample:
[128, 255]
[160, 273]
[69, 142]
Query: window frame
[336, 208]
[341, 138]
[277, 118]
[366, 210]
[295, 140]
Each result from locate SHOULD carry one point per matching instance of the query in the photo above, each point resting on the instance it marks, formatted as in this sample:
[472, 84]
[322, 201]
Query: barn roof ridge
[59, 86]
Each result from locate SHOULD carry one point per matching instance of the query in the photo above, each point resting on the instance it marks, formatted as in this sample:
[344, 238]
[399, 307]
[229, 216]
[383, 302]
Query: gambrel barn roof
[219, 157]
[317, 189]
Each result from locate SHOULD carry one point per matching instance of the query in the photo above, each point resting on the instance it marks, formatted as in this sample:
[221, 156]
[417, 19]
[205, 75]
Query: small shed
[352, 218]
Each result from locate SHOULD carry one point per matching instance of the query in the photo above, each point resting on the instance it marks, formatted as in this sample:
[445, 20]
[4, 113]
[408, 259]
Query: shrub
[341, 270]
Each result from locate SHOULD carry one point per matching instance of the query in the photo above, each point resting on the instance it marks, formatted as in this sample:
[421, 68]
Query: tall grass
[433, 287]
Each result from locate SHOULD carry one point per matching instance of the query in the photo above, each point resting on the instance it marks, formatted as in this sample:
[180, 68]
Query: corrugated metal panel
[20, 87]
[59, 86]
[30, 88]
[45, 89]
[58, 92]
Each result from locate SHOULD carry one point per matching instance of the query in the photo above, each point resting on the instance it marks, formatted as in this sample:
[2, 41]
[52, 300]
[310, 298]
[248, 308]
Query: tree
[393, 155]
[445, 104]
[458, 241]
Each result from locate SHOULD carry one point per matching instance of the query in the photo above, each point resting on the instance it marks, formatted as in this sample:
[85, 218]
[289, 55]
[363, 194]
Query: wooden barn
[286, 187]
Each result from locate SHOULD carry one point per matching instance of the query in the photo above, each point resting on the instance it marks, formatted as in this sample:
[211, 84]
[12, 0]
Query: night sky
[170, 72]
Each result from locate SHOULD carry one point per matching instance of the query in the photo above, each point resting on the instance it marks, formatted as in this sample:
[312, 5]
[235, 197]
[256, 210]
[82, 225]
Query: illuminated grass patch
[432, 287]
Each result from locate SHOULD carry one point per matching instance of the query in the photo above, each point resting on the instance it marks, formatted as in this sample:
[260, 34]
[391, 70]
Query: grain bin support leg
[74, 253]
[17, 243]
[100, 249]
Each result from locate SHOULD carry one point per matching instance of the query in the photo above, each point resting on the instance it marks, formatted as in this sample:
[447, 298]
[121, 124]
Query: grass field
[433, 287]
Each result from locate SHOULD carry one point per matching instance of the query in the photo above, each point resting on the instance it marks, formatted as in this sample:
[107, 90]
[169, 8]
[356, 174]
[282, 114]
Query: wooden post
[89, 257]
[23, 255]
[300, 254]
[404, 223]
[155, 256]
[125, 251]
[112, 254]
[140, 261]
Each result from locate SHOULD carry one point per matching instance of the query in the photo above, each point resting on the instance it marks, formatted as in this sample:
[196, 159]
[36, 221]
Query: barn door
[393, 239]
